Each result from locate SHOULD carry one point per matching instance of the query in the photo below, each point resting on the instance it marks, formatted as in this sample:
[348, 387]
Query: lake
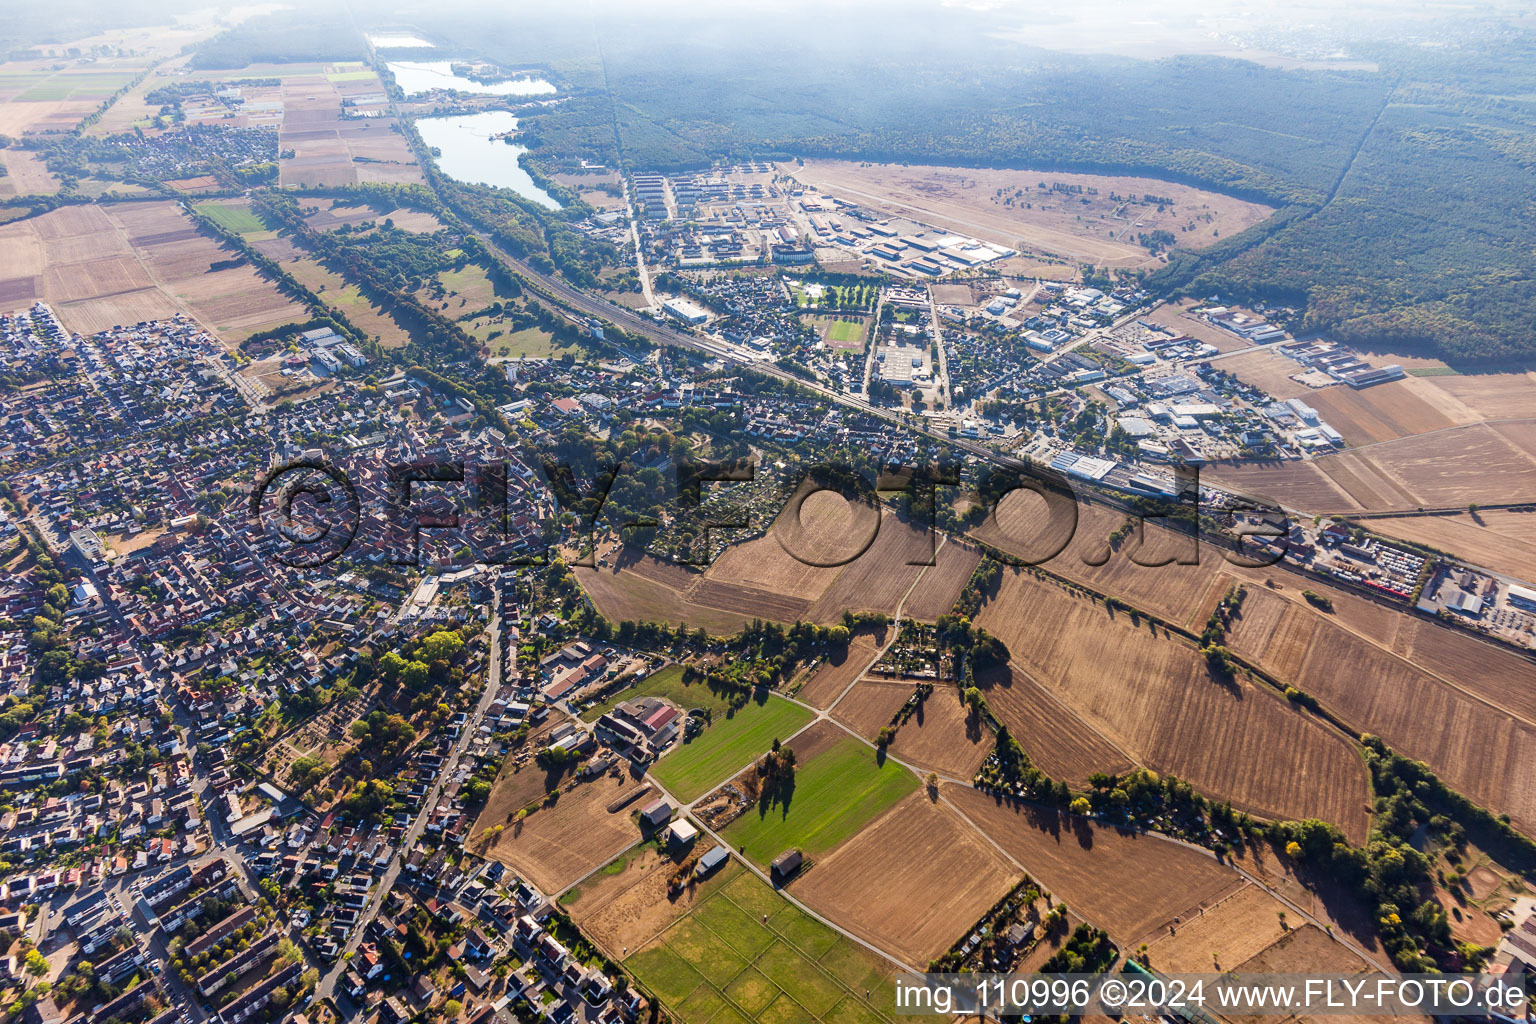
[470, 153]
[419, 76]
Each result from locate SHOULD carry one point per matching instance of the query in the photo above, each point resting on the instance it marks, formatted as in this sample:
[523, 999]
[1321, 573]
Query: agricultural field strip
[1302, 581]
[1438, 677]
[820, 715]
[1346, 940]
[1068, 709]
[817, 716]
[892, 630]
[1010, 858]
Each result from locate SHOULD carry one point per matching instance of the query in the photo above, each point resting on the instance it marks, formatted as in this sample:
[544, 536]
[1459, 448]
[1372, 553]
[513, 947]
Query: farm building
[682, 833]
[656, 814]
[710, 861]
[785, 866]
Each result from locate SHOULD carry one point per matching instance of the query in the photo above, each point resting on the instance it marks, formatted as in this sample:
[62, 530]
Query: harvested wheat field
[1452, 468]
[1486, 396]
[776, 576]
[102, 266]
[1242, 925]
[943, 736]
[1131, 572]
[1488, 670]
[1381, 413]
[1321, 899]
[26, 175]
[1475, 747]
[632, 593]
[870, 705]
[1307, 948]
[1153, 697]
[828, 681]
[1301, 485]
[911, 882]
[625, 905]
[1129, 884]
[805, 547]
[940, 586]
[1056, 740]
[880, 578]
[558, 844]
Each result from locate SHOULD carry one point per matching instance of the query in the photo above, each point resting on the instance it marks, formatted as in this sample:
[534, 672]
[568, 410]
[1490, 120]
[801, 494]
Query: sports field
[727, 746]
[846, 332]
[836, 793]
[747, 954]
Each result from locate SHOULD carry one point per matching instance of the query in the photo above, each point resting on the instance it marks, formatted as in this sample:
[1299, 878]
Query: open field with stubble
[101, 266]
[829, 679]
[1126, 883]
[557, 844]
[942, 735]
[1152, 696]
[964, 200]
[1051, 734]
[625, 905]
[1240, 926]
[1465, 708]
[761, 578]
[1461, 705]
[1446, 469]
[911, 882]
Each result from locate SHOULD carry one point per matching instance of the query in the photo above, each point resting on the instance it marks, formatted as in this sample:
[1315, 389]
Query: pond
[419, 76]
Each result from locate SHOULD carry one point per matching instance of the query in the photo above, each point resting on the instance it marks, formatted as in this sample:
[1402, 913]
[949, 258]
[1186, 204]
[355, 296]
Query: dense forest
[1427, 244]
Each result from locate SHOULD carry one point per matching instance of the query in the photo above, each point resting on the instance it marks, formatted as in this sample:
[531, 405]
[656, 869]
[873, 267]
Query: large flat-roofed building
[1522, 597]
[688, 312]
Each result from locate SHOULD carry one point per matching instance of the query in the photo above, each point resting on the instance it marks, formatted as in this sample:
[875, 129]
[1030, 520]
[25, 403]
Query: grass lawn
[530, 341]
[723, 964]
[668, 683]
[845, 332]
[46, 91]
[238, 219]
[727, 746]
[836, 793]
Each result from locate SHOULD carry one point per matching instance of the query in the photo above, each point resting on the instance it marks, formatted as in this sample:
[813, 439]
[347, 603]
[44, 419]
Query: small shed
[785, 866]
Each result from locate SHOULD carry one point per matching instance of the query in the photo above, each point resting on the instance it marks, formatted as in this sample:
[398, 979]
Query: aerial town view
[683, 514]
